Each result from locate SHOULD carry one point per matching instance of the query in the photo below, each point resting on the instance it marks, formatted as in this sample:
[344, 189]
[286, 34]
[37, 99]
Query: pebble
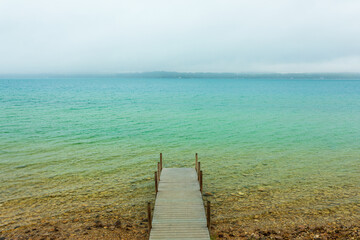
[98, 224]
[241, 194]
[117, 224]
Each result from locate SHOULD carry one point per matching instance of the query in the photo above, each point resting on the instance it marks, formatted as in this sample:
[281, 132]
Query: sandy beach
[103, 226]
[230, 220]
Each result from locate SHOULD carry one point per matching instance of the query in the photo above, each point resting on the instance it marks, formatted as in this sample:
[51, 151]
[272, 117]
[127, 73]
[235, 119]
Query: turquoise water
[70, 145]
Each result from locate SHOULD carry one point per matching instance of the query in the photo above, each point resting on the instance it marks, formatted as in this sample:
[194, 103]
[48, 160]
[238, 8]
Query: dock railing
[157, 177]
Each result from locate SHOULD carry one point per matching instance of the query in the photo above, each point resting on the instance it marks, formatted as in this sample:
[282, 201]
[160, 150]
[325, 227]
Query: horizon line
[176, 72]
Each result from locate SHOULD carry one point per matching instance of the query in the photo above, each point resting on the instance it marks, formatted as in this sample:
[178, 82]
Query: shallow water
[288, 146]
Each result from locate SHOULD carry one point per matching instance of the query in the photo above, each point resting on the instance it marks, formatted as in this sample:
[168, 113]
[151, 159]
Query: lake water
[284, 150]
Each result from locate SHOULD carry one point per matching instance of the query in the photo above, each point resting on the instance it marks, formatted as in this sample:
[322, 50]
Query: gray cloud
[92, 36]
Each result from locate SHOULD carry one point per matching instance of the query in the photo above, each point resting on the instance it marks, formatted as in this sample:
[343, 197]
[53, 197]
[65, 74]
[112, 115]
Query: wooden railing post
[159, 171]
[196, 161]
[198, 171]
[201, 182]
[149, 216]
[161, 165]
[208, 214]
[156, 182]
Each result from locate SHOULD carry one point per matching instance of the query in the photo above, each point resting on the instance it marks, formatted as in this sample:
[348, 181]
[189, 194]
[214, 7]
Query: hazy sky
[109, 36]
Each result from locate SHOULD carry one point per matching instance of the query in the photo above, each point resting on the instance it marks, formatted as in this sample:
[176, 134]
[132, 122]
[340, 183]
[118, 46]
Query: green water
[90, 145]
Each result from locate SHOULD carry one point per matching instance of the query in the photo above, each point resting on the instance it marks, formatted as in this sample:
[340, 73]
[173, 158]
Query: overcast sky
[113, 36]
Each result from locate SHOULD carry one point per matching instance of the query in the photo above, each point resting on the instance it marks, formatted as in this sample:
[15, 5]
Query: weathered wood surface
[179, 210]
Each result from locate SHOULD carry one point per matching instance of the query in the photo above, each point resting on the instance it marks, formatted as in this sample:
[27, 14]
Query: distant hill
[162, 74]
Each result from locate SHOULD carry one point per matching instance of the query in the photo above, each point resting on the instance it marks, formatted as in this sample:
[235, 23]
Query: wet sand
[119, 212]
[130, 229]
[230, 220]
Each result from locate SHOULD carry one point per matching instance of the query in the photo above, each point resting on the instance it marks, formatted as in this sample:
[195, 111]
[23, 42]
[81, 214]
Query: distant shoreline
[200, 75]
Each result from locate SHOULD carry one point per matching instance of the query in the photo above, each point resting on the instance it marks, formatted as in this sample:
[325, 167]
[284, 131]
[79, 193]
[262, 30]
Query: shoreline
[257, 214]
[105, 224]
[252, 213]
[122, 229]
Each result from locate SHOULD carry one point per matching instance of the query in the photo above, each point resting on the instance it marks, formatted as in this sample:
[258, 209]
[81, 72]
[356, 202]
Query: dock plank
[179, 210]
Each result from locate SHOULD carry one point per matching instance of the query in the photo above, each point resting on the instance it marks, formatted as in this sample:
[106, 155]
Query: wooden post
[149, 216]
[208, 214]
[198, 171]
[201, 181]
[159, 171]
[161, 166]
[156, 182]
[196, 161]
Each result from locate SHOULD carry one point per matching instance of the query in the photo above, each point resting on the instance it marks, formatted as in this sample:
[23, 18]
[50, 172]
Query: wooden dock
[179, 211]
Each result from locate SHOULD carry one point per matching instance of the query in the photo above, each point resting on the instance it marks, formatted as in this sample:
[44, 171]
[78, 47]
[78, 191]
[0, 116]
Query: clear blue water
[70, 144]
